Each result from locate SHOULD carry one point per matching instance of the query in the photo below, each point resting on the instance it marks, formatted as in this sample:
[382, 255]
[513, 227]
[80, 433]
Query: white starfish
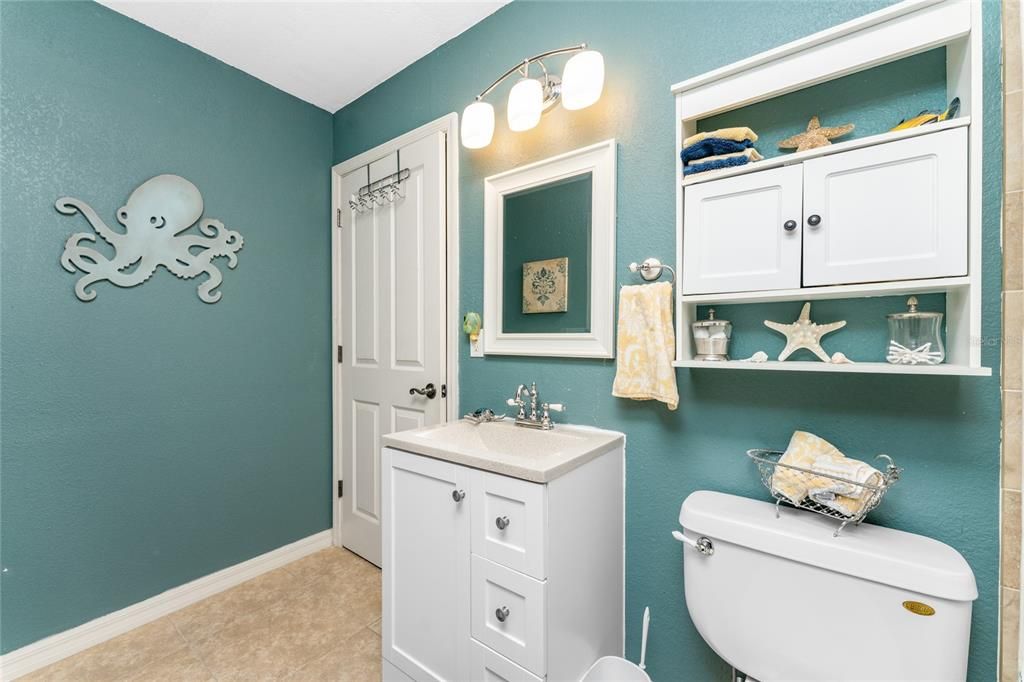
[804, 334]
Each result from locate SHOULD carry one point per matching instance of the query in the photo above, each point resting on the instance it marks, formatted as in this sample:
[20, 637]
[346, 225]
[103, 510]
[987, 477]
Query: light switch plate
[476, 348]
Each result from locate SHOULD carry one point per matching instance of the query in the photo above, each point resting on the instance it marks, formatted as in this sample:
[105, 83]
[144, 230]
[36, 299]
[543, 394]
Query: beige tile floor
[315, 619]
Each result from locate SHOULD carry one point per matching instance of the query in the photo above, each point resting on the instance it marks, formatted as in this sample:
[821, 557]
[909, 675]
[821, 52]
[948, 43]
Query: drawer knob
[458, 495]
[501, 614]
[789, 225]
[814, 220]
[501, 522]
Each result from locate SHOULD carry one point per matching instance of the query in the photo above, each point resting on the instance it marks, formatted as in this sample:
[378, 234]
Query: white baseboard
[55, 647]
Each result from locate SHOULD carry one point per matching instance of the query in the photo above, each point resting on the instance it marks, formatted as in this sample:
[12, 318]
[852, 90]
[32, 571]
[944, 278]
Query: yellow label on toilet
[918, 608]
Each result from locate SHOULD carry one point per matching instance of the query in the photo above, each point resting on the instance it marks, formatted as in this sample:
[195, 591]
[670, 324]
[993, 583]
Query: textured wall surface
[944, 430]
[150, 438]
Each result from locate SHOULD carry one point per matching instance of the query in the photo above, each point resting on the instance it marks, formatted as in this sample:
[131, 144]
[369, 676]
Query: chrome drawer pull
[501, 614]
[501, 522]
[458, 495]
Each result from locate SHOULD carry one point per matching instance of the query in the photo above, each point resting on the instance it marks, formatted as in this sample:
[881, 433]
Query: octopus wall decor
[155, 217]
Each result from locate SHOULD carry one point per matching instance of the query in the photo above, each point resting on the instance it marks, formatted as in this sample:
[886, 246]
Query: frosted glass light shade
[582, 80]
[525, 102]
[477, 125]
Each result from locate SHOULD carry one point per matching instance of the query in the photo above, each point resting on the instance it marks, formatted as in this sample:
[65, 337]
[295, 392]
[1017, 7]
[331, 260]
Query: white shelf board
[870, 290]
[800, 157]
[854, 368]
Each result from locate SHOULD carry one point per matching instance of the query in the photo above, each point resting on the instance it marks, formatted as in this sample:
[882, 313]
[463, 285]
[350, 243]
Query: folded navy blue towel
[712, 146]
[715, 164]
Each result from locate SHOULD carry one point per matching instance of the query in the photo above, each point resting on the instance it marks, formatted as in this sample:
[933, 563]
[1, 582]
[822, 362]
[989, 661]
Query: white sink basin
[510, 450]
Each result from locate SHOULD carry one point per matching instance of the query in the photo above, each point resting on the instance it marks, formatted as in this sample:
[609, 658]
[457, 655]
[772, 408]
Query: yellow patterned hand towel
[738, 134]
[646, 345]
[804, 450]
[817, 455]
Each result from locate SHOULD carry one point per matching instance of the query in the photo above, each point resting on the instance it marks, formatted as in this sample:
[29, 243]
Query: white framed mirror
[549, 256]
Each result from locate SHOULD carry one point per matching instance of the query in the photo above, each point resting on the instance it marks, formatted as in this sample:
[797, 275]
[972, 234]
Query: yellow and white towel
[738, 134]
[646, 345]
[817, 455]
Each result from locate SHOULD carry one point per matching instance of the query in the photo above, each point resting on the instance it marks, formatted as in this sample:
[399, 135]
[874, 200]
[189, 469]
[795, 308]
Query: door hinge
[341, 488]
[444, 390]
[337, 218]
[341, 354]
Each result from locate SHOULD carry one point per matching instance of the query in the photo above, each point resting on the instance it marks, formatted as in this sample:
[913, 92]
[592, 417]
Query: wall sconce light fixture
[580, 86]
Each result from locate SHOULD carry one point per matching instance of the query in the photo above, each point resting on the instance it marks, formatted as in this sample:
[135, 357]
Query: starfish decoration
[804, 334]
[815, 136]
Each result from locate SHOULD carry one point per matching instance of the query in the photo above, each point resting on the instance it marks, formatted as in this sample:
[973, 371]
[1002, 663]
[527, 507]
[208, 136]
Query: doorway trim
[449, 125]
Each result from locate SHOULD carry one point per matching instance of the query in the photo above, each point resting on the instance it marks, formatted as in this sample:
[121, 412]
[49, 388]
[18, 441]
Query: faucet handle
[512, 402]
[553, 407]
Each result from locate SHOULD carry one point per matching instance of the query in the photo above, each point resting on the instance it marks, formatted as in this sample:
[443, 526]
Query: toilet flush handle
[701, 544]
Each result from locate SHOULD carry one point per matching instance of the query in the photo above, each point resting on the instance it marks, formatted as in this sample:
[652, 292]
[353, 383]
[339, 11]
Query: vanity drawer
[487, 666]
[508, 523]
[509, 614]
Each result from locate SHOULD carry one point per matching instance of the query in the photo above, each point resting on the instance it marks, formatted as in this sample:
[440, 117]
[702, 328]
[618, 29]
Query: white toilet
[782, 599]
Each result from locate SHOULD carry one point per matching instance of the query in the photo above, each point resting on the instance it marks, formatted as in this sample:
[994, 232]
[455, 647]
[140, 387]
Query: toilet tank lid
[883, 555]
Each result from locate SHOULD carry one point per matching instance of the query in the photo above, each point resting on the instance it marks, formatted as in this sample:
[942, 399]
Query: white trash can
[615, 669]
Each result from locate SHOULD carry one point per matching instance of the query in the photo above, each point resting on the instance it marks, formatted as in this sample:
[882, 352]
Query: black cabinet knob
[814, 220]
[789, 225]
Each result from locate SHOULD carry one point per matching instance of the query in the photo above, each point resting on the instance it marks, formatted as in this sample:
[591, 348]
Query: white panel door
[890, 212]
[743, 233]
[392, 285]
[426, 566]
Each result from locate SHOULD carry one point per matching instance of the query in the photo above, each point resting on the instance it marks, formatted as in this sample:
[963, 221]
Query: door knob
[814, 220]
[427, 390]
[789, 225]
[501, 522]
[458, 495]
[501, 613]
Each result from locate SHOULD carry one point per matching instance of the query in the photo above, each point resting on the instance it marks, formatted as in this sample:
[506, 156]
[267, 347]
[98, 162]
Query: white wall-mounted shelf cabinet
[891, 214]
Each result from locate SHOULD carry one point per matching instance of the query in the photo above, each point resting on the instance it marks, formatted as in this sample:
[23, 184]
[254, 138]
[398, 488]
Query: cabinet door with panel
[426, 551]
[888, 212]
[743, 233]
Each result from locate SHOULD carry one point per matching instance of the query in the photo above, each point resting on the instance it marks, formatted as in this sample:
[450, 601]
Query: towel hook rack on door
[651, 269]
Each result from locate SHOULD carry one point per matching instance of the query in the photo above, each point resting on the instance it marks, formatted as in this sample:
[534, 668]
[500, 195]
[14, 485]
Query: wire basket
[808, 489]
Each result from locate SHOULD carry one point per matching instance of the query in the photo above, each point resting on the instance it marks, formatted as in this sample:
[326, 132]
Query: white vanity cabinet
[491, 577]
[887, 212]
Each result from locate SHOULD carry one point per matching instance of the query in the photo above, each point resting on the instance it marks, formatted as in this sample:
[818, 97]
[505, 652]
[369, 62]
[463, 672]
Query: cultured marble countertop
[509, 450]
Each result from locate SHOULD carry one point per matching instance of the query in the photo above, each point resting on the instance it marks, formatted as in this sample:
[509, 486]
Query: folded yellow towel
[817, 455]
[737, 134]
[751, 154]
[803, 451]
[646, 345]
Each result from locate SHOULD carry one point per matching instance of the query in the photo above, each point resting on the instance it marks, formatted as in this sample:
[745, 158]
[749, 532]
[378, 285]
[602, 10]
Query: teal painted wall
[543, 223]
[150, 438]
[943, 430]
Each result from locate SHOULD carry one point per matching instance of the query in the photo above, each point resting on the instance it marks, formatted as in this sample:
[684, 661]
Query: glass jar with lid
[915, 337]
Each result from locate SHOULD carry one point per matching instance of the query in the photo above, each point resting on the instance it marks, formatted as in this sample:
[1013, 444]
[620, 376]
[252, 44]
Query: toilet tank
[782, 599]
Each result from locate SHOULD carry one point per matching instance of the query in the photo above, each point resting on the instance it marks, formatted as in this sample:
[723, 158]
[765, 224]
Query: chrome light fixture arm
[524, 66]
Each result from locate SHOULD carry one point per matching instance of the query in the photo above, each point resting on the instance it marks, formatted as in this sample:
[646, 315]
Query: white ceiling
[326, 53]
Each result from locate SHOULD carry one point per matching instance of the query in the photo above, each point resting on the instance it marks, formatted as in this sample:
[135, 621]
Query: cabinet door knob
[458, 495]
[789, 225]
[501, 522]
[814, 220]
[501, 613]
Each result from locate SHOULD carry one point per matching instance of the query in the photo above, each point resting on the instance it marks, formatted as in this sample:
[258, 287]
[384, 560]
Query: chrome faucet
[533, 420]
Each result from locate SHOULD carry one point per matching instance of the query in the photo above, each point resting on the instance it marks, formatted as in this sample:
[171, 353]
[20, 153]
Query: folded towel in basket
[804, 450]
[851, 470]
[824, 464]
